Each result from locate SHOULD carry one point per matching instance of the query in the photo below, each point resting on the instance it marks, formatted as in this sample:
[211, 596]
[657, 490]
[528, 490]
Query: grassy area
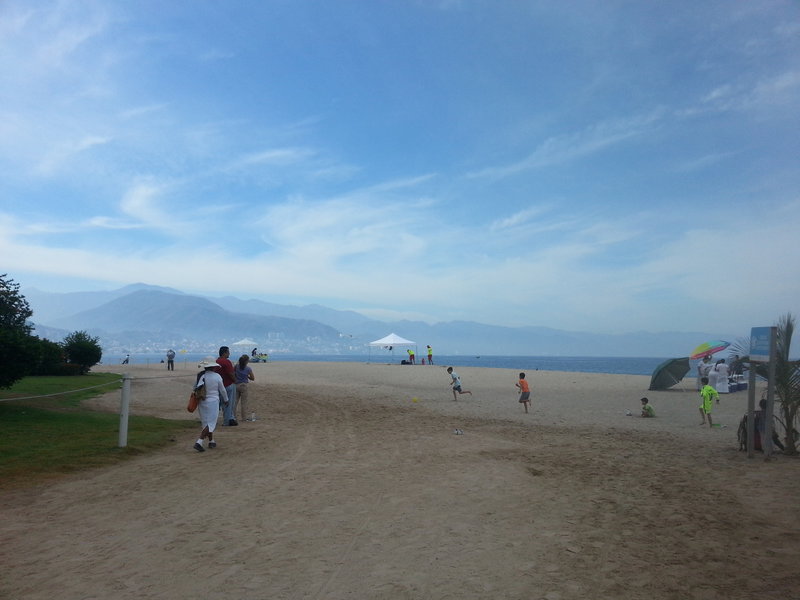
[71, 390]
[46, 437]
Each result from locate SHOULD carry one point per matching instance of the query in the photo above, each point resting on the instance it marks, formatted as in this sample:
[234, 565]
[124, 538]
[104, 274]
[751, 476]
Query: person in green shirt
[647, 410]
[707, 393]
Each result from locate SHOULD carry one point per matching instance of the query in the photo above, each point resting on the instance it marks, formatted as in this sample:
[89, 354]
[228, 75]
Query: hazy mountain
[346, 321]
[50, 307]
[150, 317]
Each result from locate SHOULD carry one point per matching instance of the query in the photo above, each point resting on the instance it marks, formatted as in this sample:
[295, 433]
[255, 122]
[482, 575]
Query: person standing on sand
[703, 367]
[708, 394]
[430, 355]
[411, 357]
[243, 374]
[524, 391]
[229, 381]
[209, 406]
[170, 360]
[456, 383]
[722, 377]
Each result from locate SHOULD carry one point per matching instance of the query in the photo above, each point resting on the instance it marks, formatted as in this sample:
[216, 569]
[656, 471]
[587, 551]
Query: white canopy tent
[245, 342]
[389, 342]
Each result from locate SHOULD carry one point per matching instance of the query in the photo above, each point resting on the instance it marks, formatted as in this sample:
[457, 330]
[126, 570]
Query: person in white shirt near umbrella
[722, 372]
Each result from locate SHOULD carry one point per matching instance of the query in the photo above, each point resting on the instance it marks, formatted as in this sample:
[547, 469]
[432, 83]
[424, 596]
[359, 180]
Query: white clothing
[722, 378]
[209, 408]
[712, 378]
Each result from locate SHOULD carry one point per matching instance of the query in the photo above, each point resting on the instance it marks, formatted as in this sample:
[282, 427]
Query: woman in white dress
[722, 376]
[209, 406]
[712, 376]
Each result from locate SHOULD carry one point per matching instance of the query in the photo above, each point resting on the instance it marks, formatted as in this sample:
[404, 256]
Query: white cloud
[59, 157]
[564, 148]
[522, 217]
[273, 157]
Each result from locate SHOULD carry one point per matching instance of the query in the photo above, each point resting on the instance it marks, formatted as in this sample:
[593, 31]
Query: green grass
[47, 437]
[64, 386]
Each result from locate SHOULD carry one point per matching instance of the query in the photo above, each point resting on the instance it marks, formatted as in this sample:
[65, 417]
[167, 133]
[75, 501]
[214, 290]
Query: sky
[610, 167]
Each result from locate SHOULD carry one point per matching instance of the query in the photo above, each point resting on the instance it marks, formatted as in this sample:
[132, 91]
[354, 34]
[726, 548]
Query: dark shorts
[525, 397]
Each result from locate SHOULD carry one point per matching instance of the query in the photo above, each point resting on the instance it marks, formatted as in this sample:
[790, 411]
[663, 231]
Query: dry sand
[347, 488]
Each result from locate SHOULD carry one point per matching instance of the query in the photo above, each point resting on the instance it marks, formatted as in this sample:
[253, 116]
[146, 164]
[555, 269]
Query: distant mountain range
[145, 318]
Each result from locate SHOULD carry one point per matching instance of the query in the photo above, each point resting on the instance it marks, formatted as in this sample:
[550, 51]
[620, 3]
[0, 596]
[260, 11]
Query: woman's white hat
[207, 363]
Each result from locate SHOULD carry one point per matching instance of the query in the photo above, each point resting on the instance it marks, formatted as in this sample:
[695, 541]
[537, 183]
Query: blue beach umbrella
[669, 373]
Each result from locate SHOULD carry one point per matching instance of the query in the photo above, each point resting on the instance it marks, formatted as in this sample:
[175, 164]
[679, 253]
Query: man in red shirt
[229, 381]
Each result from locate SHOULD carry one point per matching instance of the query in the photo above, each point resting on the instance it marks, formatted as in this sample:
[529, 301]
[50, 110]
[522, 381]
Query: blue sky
[598, 166]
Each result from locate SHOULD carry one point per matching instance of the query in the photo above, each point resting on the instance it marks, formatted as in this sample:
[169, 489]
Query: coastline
[623, 365]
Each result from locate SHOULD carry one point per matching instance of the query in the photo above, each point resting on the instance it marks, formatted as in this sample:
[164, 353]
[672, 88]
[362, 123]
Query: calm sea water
[582, 364]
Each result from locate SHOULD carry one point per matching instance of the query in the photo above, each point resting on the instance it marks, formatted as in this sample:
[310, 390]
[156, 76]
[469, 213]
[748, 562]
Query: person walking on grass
[456, 383]
[707, 394]
[524, 391]
[209, 406]
[244, 374]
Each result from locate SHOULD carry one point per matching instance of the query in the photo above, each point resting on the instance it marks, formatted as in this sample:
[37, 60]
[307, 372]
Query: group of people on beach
[713, 380]
[412, 356]
[522, 385]
[226, 390]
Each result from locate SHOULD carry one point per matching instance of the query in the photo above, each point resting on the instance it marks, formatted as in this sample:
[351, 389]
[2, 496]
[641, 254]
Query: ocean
[574, 364]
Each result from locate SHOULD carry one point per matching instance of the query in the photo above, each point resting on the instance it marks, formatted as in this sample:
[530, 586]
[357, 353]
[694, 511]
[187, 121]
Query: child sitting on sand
[647, 410]
[524, 391]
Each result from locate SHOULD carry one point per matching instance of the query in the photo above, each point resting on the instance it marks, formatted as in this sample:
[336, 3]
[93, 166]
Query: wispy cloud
[273, 157]
[775, 90]
[141, 111]
[520, 218]
[565, 148]
[63, 152]
[702, 162]
[112, 223]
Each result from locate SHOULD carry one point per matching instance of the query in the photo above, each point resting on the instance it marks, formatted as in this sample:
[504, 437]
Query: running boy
[707, 393]
[524, 391]
[456, 383]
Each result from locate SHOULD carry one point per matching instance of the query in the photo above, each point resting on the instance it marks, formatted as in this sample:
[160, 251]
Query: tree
[82, 349]
[787, 381]
[49, 358]
[17, 354]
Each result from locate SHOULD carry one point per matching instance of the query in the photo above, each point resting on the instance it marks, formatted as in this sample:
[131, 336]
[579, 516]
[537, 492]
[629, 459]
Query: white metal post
[123, 410]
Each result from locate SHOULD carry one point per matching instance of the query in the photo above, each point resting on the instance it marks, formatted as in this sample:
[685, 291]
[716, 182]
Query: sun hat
[207, 363]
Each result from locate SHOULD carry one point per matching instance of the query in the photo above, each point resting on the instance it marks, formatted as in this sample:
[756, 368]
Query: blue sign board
[760, 343]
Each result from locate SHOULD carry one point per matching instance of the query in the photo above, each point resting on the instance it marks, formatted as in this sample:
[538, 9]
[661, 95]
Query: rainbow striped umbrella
[709, 348]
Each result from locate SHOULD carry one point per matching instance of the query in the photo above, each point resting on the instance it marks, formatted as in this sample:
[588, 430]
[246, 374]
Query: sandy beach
[352, 484]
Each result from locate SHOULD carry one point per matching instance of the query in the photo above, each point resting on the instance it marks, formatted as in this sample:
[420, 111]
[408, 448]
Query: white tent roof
[245, 342]
[393, 340]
